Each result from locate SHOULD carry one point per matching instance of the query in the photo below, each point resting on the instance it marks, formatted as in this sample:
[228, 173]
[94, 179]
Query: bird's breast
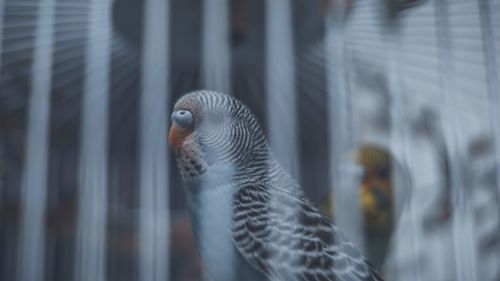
[211, 211]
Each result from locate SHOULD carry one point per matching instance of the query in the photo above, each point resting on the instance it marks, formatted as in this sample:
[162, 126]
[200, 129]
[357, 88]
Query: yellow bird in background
[376, 192]
[376, 200]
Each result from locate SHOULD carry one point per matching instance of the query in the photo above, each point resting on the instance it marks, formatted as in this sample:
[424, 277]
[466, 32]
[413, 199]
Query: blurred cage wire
[386, 111]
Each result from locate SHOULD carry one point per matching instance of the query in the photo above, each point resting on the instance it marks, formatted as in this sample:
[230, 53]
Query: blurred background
[386, 111]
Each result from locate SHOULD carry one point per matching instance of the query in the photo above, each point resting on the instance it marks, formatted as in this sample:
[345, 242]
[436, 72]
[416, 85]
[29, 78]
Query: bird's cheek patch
[177, 135]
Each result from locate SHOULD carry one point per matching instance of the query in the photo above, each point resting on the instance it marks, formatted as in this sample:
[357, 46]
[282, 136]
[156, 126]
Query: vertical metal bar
[398, 140]
[2, 153]
[345, 187]
[215, 74]
[492, 82]
[399, 148]
[154, 218]
[280, 86]
[462, 222]
[34, 185]
[93, 185]
[409, 240]
[2, 7]
[492, 75]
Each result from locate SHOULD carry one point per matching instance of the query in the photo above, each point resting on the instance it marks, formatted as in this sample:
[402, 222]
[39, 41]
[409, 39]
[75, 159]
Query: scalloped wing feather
[283, 236]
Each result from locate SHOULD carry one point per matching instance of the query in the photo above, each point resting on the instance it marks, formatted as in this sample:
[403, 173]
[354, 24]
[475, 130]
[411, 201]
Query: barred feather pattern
[283, 235]
[274, 228]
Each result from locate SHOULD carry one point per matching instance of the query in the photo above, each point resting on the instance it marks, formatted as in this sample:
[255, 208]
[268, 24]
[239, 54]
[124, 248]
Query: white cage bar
[34, 185]
[93, 173]
[216, 59]
[154, 216]
[281, 97]
[462, 221]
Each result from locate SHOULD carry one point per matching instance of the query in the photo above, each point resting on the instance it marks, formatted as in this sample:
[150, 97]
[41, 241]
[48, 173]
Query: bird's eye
[183, 118]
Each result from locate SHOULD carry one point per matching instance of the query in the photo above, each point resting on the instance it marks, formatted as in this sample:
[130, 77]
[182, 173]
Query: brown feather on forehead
[188, 103]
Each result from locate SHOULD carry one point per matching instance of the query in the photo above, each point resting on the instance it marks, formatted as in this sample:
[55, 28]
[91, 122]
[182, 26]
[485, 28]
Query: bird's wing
[283, 236]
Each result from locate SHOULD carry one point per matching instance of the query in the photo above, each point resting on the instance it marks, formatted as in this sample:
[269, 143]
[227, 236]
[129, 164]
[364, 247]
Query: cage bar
[34, 184]
[154, 217]
[93, 173]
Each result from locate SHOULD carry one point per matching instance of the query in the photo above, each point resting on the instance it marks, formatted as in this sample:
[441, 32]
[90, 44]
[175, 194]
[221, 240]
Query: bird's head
[215, 137]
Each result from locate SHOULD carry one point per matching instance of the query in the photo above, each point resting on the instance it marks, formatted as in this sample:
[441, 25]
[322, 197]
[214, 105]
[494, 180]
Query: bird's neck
[266, 170]
[210, 211]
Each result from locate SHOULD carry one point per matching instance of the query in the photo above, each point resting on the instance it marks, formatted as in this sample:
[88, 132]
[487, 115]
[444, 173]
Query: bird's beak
[177, 135]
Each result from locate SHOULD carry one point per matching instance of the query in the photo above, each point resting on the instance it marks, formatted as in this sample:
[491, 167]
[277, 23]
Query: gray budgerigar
[250, 218]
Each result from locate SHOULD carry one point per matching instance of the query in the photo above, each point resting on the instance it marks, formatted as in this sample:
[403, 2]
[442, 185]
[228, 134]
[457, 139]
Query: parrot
[250, 218]
[377, 201]
[376, 197]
